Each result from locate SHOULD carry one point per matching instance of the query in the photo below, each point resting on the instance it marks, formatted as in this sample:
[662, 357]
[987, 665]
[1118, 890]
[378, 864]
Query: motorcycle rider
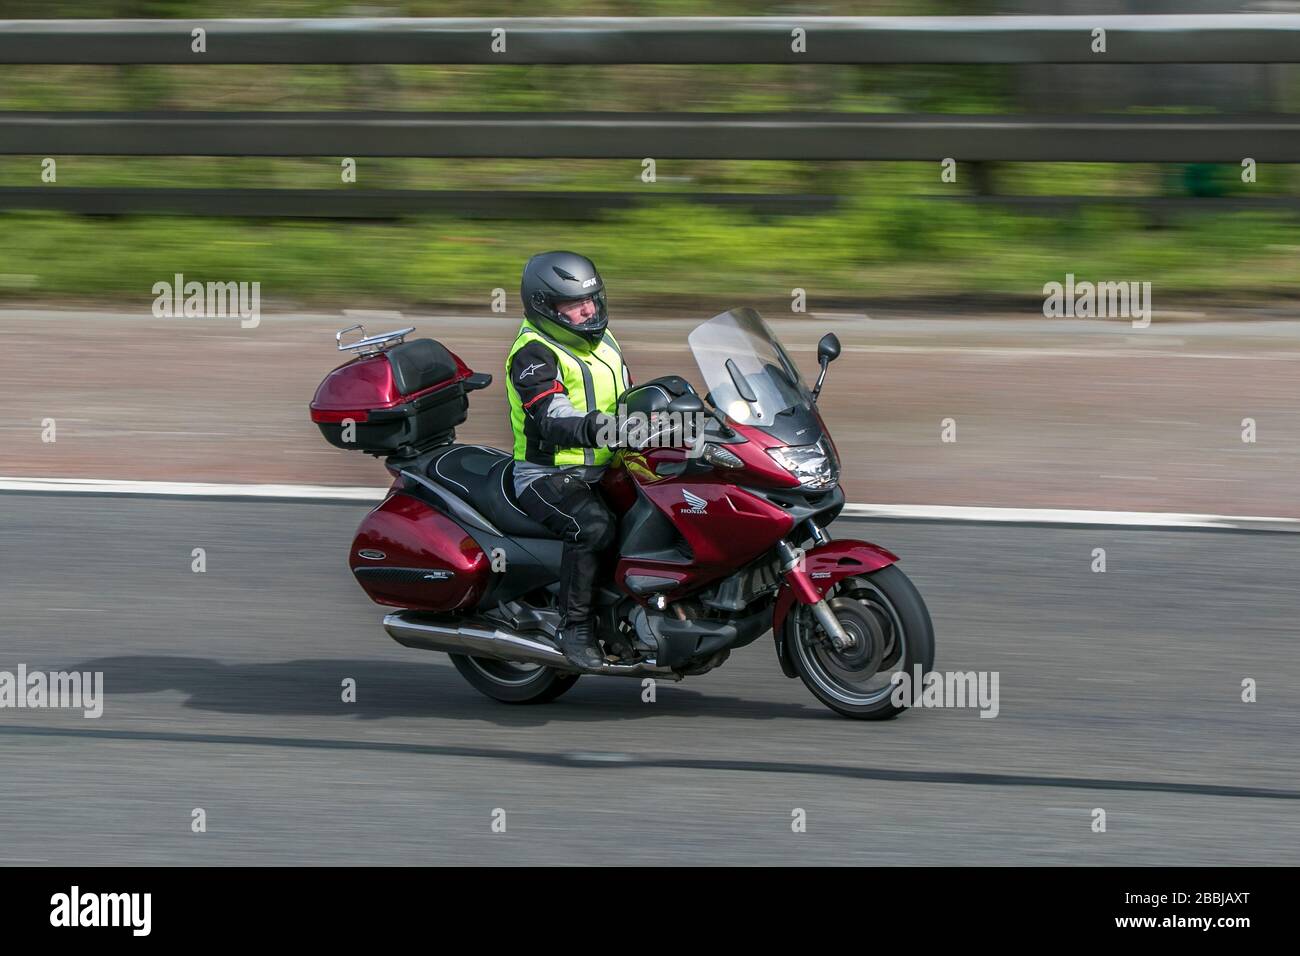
[565, 375]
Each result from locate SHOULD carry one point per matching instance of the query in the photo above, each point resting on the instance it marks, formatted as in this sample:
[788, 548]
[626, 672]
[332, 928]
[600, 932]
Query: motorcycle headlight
[813, 465]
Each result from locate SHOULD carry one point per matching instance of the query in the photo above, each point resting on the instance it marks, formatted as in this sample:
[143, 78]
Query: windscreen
[747, 372]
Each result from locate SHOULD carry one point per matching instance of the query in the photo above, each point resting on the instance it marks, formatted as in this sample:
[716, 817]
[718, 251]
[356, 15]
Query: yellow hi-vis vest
[593, 378]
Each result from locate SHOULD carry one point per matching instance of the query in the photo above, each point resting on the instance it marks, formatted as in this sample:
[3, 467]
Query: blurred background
[849, 232]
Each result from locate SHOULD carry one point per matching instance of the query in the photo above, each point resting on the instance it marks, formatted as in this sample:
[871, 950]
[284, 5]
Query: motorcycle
[721, 538]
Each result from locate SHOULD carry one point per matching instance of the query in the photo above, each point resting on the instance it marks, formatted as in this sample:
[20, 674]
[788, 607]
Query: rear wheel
[891, 628]
[513, 683]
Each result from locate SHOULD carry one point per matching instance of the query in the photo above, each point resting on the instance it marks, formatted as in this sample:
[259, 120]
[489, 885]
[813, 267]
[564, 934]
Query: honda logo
[697, 505]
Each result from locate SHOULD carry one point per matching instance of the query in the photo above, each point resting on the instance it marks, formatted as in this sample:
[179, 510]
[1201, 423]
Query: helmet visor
[577, 313]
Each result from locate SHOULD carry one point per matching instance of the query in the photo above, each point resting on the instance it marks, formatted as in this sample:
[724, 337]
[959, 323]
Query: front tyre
[513, 683]
[891, 629]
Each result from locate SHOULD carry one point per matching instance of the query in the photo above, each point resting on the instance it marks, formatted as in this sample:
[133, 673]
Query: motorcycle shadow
[394, 689]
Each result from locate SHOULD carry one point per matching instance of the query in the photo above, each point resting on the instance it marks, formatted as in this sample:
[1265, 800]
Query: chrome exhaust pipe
[475, 639]
[486, 639]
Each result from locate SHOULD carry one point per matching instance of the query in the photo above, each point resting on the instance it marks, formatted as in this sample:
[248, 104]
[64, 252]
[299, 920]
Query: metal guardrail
[353, 203]
[1226, 38]
[1235, 38]
[810, 136]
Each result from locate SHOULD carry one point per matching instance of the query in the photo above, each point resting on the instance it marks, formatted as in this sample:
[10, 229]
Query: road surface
[1118, 690]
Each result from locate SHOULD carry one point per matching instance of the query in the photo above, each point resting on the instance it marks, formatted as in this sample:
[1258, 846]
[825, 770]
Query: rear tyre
[513, 683]
[892, 630]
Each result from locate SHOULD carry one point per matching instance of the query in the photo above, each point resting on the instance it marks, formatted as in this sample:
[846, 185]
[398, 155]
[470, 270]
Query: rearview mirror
[687, 404]
[828, 350]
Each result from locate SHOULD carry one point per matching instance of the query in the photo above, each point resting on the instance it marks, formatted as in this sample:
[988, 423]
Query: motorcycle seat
[485, 479]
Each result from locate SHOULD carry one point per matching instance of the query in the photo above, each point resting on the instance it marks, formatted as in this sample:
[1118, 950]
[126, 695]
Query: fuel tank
[408, 555]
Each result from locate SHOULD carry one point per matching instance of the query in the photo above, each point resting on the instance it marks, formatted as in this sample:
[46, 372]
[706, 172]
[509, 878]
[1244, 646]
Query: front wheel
[513, 683]
[891, 628]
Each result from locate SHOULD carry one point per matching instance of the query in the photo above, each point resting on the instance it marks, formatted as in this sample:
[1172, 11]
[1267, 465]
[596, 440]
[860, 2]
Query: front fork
[792, 566]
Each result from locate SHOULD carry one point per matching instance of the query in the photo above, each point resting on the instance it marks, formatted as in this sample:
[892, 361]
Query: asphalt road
[1118, 691]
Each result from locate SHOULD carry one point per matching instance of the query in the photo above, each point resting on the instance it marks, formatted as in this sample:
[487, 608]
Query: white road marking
[1150, 519]
[112, 486]
[1054, 352]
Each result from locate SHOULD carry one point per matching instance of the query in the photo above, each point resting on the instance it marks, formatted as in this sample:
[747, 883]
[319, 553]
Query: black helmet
[551, 277]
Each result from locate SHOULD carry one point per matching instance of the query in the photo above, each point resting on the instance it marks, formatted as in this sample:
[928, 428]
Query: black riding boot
[578, 629]
[579, 644]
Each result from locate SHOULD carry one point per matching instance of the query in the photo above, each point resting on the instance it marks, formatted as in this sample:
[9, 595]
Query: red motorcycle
[719, 541]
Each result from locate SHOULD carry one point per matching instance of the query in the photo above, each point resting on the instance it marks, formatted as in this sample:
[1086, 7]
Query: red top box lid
[385, 380]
